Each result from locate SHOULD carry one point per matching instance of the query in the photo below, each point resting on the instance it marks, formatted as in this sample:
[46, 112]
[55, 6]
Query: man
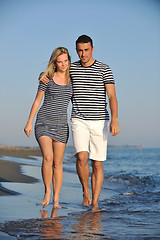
[91, 80]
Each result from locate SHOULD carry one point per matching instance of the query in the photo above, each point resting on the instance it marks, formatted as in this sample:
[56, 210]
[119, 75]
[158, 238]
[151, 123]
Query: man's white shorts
[90, 136]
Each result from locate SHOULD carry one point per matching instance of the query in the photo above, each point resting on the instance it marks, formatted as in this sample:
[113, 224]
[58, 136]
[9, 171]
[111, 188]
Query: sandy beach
[11, 171]
[20, 152]
[22, 190]
[128, 201]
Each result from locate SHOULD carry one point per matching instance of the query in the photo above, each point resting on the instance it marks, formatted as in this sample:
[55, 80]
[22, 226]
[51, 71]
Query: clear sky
[126, 36]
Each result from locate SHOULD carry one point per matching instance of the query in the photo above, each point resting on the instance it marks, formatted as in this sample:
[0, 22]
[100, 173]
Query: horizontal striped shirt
[89, 93]
[52, 116]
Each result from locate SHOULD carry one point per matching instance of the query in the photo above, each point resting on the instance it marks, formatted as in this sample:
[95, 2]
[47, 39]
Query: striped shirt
[89, 93]
[52, 116]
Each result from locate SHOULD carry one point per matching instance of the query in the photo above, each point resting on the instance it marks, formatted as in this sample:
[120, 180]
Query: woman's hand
[28, 129]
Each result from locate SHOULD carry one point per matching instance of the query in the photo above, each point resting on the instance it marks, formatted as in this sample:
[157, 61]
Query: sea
[129, 204]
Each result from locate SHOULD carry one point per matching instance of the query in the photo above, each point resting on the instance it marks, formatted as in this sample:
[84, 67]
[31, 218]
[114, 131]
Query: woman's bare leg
[46, 145]
[58, 149]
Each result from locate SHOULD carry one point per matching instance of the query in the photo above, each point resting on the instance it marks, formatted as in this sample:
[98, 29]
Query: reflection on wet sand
[52, 227]
[88, 225]
[80, 225]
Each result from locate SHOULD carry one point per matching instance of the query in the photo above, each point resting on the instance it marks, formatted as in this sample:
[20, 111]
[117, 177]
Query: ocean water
[129, 202]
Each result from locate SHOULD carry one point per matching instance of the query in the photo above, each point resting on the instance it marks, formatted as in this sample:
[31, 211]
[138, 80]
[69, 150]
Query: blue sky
[126, 36]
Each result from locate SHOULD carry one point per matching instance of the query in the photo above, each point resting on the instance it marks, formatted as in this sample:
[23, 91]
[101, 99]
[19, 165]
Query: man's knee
[97, 165]
[82, 158]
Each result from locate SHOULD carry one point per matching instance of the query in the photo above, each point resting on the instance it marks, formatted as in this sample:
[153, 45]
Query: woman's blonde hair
[51, 68]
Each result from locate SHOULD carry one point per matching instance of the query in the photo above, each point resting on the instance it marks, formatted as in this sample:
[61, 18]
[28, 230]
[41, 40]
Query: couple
[86, 83]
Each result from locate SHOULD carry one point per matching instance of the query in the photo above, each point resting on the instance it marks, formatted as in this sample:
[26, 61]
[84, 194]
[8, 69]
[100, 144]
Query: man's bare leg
[47, 151]
[97, 182]
[83, 173]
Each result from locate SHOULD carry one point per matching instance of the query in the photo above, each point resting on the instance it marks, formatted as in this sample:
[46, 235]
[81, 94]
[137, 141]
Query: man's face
[84, 51]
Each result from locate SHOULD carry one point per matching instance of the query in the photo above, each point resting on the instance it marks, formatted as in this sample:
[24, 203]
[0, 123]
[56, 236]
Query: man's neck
[88, 64]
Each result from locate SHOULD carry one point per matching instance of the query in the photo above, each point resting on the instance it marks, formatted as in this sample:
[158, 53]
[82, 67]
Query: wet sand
[120, 216]
[20, 152]
[11, 171]
[21, 214]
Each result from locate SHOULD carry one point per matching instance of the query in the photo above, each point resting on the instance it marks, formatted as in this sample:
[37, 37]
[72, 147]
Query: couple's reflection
[52, 226]
[84, 225]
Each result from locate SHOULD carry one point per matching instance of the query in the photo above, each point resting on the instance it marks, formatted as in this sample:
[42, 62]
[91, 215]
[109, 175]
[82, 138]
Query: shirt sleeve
[42, 86]
[108, 77]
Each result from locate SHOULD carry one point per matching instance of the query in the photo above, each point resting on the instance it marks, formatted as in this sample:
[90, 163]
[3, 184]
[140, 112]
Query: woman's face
[62, 62]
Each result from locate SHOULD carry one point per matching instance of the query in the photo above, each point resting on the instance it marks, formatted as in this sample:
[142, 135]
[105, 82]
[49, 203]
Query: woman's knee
[57, 164]
[48, 159]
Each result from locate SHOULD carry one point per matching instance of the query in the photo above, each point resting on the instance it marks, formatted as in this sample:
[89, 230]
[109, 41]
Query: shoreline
[20, 152]
[11, 171]
[127, 203]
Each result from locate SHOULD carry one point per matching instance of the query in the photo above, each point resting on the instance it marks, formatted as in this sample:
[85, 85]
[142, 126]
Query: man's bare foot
[46, 198]
[95, 207]
[86, 199]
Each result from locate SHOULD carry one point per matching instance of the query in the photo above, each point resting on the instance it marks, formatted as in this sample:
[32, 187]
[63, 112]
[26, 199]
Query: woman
[51, 127]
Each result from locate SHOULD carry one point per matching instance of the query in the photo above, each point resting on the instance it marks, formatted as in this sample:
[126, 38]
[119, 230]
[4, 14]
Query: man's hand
[114, 127]
[44, 79]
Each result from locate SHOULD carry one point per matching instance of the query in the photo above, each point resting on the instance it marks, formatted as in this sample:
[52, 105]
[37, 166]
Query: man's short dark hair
[84, 39]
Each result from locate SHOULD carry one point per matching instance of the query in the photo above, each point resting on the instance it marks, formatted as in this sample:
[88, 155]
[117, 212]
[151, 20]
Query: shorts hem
[97, 159]
[82, 150]
[94, 158]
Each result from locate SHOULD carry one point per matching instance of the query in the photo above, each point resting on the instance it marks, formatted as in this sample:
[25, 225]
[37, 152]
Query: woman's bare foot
[86, 199]
[56, 204]
[46, 198]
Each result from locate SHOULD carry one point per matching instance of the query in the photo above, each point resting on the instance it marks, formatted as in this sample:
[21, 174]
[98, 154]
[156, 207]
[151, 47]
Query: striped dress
[89, 93]
[51, 118]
